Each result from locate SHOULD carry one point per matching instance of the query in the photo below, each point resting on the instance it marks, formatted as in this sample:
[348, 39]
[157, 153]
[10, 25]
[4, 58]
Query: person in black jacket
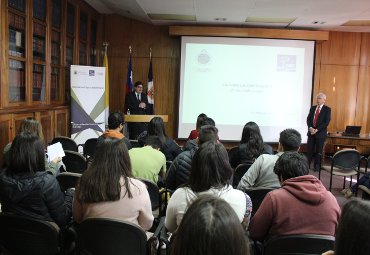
[26, 189]
[156, 128]
[251, 146]
[137, 104]
[180, 169]
[318, 120]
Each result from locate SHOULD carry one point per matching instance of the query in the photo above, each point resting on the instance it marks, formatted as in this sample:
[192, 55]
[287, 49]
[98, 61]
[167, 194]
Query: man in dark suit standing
[136, 103]
[317, 122]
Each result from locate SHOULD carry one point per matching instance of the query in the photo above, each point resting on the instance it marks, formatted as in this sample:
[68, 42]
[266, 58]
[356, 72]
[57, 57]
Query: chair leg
[344, 182]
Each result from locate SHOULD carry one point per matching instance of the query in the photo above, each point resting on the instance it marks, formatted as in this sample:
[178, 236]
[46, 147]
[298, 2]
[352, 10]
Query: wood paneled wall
[120, 33]
[342, 70]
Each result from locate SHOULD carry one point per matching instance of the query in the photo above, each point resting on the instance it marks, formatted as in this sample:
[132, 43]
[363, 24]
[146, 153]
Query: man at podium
[136, 103]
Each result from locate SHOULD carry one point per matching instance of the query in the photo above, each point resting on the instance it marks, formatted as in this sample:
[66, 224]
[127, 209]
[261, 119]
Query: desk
[335, 142]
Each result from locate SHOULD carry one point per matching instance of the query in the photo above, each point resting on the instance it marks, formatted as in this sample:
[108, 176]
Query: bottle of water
[128, 111]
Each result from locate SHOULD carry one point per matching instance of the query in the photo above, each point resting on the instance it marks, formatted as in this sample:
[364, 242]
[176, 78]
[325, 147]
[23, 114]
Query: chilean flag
[129, 84]
[150, 88]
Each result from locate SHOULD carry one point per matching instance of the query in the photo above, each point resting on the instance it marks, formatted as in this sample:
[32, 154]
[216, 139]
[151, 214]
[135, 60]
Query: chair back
[257, 197]
[21, 235]
[239, 172]
[153, 191]
[74, 162]
[107, 236]
[68, 180]
[298, 244]
[89, 147]
[67, 143]
[348, 159]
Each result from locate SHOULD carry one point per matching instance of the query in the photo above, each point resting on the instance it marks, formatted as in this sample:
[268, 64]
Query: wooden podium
[144, 118]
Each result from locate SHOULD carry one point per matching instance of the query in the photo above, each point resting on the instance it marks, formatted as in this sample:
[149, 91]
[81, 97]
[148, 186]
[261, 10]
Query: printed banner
[87, 102]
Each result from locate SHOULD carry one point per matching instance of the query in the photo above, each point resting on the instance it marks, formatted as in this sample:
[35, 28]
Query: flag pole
[106, 96]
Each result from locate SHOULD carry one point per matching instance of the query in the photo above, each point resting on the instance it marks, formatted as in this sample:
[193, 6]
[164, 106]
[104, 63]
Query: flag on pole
[129, 83]
[106, 98]
[150, 91]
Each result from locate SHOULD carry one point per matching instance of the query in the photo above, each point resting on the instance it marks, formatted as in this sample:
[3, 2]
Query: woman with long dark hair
[27, 189]
[108, 190]
[169, 147]
[217, 228]
[251, 146]
[210, 174]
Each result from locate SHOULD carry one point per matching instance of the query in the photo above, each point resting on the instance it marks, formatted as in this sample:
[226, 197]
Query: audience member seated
[251, 146]
[301, 206]
[180, 168]
[26, 189]
[30, 125]
[211, 174]
[210, 227]
[156, 128]
[353, 236]
[148, 162]
[194, 133]
[364, 180]
[116, 122]
[192, 145]
[261, 174]
[107, 189]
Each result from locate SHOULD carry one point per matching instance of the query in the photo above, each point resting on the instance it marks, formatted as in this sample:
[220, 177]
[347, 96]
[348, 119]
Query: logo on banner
[91, 73]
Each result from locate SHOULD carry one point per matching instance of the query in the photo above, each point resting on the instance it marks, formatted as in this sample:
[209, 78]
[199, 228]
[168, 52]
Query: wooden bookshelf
[39, 40]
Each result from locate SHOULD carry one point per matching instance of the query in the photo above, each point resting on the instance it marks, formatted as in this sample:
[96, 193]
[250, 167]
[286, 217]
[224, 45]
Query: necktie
[138, 97]
[316, 116]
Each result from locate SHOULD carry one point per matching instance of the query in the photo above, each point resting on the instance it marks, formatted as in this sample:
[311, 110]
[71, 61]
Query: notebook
[352, 131]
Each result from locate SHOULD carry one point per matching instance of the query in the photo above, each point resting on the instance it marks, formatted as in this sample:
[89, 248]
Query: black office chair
[298, 245]
[234, 158]
[68, 180]
[239, 172]
[21, 235]
[67, 143]
[89, 148]
[257, 197]
[153, 191]
[158, 197]
[74, 162]
[107, 236]
[367, 165]
[343, 163]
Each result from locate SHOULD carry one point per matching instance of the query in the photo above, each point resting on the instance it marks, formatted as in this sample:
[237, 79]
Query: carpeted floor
[337, 186]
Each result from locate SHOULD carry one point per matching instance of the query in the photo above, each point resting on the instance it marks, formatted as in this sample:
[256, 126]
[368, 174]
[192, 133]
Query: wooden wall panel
[365, 49]
[5, 133]
[341, 94]
[46, 119]
[363, 100]
[341, 49]
[120, 33]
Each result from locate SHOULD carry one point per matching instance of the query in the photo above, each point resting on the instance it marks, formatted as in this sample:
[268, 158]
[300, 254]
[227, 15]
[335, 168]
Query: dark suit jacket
[133, 104]
[322, 120]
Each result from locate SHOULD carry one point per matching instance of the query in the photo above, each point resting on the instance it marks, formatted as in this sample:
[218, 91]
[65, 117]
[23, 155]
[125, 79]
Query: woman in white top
[108, 190]
[211, 173]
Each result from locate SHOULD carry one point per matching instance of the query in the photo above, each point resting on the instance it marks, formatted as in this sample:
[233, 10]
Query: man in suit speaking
[317, 122]
[136, 103]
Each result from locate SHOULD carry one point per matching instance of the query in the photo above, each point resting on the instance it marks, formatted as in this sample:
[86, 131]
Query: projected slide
[236, 80]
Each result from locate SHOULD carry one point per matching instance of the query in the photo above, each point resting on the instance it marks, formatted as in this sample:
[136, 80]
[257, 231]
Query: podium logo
[91, 72]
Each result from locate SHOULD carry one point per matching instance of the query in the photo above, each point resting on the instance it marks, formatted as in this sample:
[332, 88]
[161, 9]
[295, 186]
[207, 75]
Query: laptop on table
[353, 131]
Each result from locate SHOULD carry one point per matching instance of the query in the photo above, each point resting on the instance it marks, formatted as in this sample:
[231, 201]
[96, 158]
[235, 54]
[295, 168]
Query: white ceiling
[297, 14]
